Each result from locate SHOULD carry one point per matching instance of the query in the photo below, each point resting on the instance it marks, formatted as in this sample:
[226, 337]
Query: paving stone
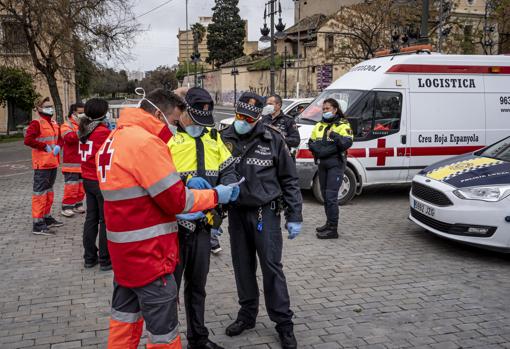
[385, 283]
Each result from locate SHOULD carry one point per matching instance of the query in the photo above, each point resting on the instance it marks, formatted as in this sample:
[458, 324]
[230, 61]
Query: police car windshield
[346, 98]
[499, 151]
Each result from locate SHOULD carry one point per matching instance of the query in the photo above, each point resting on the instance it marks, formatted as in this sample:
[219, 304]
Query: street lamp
[286, 64]
[195, 58]
[268, 34]
[234, 72]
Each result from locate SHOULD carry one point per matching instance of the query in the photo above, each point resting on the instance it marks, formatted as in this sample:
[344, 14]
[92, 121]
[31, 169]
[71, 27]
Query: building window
[330, 44]
[12, 37]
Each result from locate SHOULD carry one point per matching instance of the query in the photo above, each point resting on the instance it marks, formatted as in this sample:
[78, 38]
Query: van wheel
[346, 192]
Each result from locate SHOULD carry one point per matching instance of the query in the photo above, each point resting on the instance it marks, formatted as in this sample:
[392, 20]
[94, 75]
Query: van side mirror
[354, 125]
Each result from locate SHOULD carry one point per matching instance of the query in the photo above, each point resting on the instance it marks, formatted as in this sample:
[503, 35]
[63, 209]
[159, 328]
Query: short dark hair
[334, 104]
[96, 108]
[163, 99]
[278, 98]
[74, 107]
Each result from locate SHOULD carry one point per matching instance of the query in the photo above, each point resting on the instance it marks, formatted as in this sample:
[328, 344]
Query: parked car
[466, 198]
[290, 107]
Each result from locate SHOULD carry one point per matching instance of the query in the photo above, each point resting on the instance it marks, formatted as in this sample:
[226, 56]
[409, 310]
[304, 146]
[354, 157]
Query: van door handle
[403, 139]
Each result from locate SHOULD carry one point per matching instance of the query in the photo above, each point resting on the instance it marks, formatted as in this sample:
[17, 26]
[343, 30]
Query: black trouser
[94, 224]
[331, 174]
[194, 256]
[247, 243]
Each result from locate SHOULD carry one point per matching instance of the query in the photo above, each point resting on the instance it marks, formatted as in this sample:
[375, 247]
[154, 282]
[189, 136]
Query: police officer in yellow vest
[328, 143]
[203, 161]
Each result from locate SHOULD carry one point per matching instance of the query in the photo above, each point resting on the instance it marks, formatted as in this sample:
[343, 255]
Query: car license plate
[426, 210]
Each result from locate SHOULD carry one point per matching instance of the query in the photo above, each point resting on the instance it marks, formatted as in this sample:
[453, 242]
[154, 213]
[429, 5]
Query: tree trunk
[55, 96]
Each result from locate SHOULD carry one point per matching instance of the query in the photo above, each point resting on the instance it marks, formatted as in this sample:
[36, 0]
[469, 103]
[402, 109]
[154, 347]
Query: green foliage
[182, 70]
[225, 39]
[198, 31]
[108, 82]
[17, 86]
[265, 64]
[161, 77]
[85, 73]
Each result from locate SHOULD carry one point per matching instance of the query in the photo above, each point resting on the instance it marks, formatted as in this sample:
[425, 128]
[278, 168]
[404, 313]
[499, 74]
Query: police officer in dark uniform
[271, 186]
[329, 142]
[273, 115]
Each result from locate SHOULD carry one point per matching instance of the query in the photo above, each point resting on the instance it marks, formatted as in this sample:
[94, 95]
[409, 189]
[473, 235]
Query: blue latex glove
[56, 150]
[48, 149]
[217, 232]
[198, 183]
[235, 193]
[224, 193]
[191, 216]
[294, 229]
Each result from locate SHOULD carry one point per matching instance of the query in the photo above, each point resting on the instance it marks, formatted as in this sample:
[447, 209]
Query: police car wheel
[347, 190]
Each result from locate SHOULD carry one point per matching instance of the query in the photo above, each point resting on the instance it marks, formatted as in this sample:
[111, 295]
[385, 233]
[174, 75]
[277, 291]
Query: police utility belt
[277, 205]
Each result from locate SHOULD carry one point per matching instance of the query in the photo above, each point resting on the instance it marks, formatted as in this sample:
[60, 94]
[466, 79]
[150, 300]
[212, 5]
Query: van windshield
[346, 98]
[499, 151]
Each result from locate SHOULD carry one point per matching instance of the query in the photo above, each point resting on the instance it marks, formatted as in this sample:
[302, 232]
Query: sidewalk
[384, 284]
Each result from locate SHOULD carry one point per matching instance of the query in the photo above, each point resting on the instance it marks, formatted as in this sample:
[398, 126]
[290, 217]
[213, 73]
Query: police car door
[380, 136]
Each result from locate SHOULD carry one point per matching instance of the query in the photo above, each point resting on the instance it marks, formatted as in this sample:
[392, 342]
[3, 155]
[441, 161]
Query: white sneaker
[216, 249]
[79, 210]
[67, 213]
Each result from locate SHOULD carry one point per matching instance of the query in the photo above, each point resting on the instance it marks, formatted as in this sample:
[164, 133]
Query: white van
[410, 111]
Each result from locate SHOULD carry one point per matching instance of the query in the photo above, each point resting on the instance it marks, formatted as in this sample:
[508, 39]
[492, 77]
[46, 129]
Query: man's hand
[198, 183]
[224, 193]
[294, 229]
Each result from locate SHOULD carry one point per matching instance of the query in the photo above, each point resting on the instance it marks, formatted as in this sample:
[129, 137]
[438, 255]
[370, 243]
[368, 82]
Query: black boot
[330, 233]
[287, 339]
[322, 228]
[237, 327]
[208, 345]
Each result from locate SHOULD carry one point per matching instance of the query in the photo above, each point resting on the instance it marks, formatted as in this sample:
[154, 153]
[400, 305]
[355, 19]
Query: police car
[466, 198]
[408, 112]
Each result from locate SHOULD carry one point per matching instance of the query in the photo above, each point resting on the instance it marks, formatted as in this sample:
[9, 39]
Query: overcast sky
[158, 44]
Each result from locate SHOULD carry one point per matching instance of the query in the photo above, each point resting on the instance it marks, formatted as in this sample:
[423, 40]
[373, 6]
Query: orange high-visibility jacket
[71, 160]
[142, 194]
[48, 135]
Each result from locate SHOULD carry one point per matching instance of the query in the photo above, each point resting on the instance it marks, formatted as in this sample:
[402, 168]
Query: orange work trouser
[42, 196]
[73, 190]
[156, 303]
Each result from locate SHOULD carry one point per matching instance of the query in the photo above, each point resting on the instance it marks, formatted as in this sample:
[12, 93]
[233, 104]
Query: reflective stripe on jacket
[142, 194]
[71, 161]
[336, 144]
[41, 159]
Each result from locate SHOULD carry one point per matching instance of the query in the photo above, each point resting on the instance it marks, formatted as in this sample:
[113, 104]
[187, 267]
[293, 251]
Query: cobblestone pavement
[384, 284]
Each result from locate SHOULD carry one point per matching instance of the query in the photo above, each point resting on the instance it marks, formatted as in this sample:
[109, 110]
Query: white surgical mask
[328, 115]
[47, 111]
[242, 127]
[268, 109]
[194, 131]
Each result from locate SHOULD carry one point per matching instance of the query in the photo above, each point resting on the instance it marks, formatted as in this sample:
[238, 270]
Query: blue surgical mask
[194, 131]
[242, 127]
[328, 115]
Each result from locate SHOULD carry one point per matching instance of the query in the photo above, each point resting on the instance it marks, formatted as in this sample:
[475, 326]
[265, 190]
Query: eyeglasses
[248, 119]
